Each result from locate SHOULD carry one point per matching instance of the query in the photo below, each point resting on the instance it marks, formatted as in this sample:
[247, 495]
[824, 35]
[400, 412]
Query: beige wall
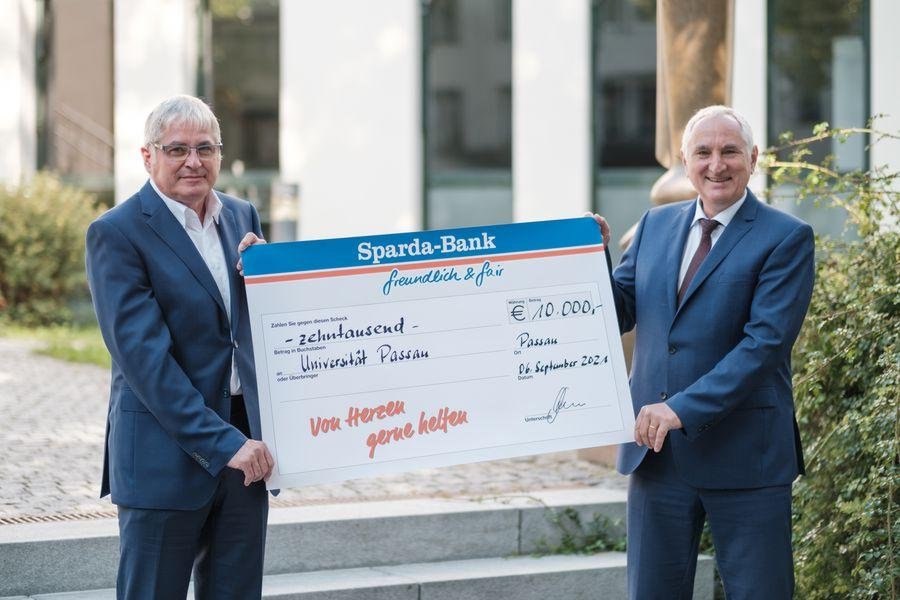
[80, 87]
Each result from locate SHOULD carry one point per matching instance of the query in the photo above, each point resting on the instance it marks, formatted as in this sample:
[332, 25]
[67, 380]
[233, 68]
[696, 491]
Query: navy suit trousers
[223, 542]
[751, 531]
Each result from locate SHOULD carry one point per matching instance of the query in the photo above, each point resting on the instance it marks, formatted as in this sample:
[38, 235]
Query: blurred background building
[359, 116]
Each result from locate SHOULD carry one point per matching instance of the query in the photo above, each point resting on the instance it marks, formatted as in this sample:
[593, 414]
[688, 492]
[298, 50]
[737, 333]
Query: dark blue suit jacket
[164, 323]
[722, 359]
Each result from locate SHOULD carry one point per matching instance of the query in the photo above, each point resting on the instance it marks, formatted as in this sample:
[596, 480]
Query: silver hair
[180, 110]
[716, 110]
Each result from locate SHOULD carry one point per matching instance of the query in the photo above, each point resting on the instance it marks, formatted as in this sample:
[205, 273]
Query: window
[624, 100]
[628, 132]
[468, 114]
[625, 84]
[243, 80]
[818, 71]
[444, 22]
[503, 19]
[445, 127]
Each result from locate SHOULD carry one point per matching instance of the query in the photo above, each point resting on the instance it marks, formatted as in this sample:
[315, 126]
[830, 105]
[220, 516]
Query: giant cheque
[388, 353]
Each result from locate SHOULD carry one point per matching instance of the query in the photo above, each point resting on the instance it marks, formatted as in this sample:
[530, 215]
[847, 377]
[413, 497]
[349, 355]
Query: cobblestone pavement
[52, 419]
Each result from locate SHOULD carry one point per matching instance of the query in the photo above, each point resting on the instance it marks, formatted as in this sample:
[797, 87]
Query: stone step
[595, 577]
[61, 557]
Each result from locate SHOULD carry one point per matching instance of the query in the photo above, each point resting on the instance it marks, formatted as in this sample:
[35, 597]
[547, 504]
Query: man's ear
[145, 154]
[754, 154]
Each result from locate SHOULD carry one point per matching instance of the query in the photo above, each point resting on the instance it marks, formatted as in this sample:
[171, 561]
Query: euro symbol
[518, 312]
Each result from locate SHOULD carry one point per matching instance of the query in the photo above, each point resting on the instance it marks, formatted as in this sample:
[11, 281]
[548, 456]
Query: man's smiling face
[718, 162]
[188, 180]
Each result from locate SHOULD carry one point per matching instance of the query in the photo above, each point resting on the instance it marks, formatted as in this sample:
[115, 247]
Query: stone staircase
[416, 549]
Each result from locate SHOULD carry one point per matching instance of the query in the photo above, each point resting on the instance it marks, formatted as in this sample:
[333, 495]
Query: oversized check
[395, 352]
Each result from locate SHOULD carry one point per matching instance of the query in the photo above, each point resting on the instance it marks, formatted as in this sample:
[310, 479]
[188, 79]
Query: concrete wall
[885, 85]
[748, 81]
[155, 50]
[18, 126]
[551, 108]
[350, 114]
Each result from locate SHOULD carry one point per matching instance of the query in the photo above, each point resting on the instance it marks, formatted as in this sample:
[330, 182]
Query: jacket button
[226, 393]
[663, 396]
[672, 350]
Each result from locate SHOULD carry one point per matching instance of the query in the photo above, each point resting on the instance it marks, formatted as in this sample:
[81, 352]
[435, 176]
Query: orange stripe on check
[451, 262]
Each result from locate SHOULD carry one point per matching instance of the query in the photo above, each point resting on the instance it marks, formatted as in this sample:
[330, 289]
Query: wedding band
[653, 427]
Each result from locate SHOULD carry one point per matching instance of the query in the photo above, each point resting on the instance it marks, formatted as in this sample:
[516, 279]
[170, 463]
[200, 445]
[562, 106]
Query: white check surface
[356, 382]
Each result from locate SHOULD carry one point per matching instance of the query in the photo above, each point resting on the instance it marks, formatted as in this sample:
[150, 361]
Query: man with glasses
[183, 461]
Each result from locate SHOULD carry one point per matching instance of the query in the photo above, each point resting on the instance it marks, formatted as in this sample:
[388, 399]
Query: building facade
[352, 116]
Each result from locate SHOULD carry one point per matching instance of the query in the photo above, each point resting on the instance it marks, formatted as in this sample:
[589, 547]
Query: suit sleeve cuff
[691, 428]
[233, 441]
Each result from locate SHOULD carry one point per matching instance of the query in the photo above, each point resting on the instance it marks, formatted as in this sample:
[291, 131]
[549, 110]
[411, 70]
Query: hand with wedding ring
[653, 423]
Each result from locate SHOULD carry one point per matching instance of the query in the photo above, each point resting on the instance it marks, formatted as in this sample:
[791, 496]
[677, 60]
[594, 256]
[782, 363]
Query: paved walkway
[52, 418]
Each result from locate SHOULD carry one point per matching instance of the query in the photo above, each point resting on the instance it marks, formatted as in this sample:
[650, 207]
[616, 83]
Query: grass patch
[72, 344]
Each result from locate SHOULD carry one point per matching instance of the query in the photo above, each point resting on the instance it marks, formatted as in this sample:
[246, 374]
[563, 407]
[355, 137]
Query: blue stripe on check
[314, 255]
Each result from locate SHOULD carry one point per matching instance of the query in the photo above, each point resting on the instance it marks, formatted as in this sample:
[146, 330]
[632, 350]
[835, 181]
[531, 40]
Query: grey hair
[181, 110]
[717, 110]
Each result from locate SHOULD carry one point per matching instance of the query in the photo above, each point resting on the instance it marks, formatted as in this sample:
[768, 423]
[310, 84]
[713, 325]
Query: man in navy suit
[717, 289]
[182, 461]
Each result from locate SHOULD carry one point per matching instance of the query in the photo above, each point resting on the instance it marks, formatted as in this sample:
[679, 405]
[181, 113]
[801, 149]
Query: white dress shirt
[205, 237]
[693, 238]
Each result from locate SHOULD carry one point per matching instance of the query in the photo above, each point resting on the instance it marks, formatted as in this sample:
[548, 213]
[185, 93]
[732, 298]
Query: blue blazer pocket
[763, 397]
[128, 401]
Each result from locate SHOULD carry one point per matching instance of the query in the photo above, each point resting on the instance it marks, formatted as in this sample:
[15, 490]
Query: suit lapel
[675, 252]
[739, 226]
[170, 231]
[228, 236]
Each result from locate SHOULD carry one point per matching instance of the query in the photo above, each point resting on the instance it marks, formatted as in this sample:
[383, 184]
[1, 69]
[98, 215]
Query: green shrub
[42, 226]
[847, 384]
[576, 536]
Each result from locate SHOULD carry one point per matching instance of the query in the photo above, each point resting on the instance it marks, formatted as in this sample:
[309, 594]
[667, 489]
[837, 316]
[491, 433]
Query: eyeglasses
[181, 151]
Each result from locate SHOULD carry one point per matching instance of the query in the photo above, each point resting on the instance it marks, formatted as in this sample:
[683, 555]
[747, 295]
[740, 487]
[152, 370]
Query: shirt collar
[724, 217]
[180, 211]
